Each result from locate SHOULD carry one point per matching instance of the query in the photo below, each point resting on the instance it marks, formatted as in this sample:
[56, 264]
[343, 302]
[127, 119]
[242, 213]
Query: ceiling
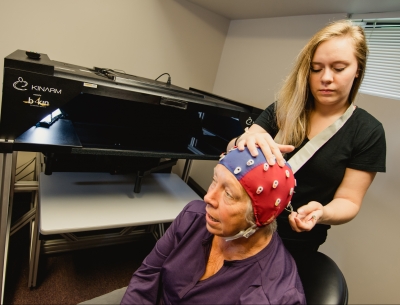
[251, 9]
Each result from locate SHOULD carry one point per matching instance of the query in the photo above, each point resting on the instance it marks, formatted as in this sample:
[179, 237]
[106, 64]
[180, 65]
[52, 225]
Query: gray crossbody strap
[311, 147]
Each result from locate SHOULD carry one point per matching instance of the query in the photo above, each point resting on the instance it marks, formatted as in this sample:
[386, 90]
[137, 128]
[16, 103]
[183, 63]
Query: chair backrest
[323, 282]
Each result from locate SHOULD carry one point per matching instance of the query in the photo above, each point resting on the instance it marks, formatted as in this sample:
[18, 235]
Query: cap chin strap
[244, 233]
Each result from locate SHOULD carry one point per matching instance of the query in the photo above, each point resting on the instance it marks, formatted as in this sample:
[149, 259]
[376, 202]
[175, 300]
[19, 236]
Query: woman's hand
[306, 216]
[343, 208]
[257, 136]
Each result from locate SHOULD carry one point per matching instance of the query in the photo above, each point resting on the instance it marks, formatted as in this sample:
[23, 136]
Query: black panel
[20, 60]
[111, 116]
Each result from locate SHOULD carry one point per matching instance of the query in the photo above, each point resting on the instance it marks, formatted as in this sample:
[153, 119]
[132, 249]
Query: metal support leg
[161, 229]
[35, 258]
[138, 182]
[35, 240]
[186, 170]
[34, 250]
[6, 165]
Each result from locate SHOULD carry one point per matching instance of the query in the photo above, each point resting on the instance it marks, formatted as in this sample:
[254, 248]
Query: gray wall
[256, 58]
[145, 38]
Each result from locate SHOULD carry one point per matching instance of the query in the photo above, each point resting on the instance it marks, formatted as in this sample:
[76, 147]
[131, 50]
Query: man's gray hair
[269, 229]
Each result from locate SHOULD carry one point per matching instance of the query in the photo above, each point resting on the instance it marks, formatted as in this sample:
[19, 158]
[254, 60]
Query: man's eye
[228, 194]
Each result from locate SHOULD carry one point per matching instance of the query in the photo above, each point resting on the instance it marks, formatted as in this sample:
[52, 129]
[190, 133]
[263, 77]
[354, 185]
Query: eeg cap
[270, 187]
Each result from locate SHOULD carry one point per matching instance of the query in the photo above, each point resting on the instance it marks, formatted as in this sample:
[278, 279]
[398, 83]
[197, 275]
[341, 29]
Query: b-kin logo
[20, 84]
[37, 102]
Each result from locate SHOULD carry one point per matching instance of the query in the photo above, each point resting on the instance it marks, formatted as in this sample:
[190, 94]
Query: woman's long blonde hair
[294, 100]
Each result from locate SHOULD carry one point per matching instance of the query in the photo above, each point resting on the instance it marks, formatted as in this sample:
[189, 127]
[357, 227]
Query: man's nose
[211, 197]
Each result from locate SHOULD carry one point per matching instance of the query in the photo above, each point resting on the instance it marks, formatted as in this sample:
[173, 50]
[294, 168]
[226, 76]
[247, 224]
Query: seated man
[224, 250]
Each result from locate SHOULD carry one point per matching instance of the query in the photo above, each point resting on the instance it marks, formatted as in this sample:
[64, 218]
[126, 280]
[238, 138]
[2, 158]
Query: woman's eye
[338, 69]
[315, 70]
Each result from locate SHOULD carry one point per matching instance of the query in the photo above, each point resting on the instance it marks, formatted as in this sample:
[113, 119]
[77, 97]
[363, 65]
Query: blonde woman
[321, 87]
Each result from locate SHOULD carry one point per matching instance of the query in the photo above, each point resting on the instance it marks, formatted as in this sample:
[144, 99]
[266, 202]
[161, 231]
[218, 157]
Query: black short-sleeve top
[360, 144]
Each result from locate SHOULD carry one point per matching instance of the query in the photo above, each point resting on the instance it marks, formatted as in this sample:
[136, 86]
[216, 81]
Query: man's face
[226, 204]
